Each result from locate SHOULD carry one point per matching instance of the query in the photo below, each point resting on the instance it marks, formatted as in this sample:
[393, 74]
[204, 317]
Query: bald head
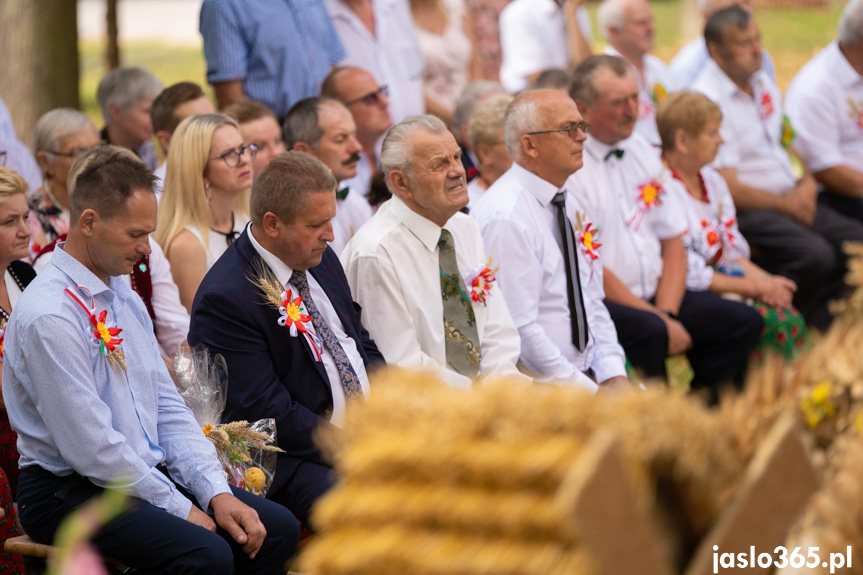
[364, 97]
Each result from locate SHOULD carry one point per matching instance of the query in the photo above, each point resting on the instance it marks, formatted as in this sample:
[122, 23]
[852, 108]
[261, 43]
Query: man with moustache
[369, 105]
[95, 407]
[412, 266]
[301, 364]
[550, 271]
[324, 128]
[644, 259]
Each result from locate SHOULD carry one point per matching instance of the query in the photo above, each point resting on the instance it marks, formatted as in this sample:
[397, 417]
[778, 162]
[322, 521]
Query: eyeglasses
[572, 130]
[76, 152]
[3, 158]
[232, 157]
[372, 98]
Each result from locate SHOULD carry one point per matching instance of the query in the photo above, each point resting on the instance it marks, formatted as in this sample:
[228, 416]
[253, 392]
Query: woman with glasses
[60, 136]
[205, 202]
[14, 241]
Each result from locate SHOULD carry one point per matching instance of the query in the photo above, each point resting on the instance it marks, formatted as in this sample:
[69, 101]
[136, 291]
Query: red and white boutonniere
[766, 105]
[588, 241]
[292, 310]
[104, 337]
[480, 281]
[2, 342]
[293, 316]
[649, 196]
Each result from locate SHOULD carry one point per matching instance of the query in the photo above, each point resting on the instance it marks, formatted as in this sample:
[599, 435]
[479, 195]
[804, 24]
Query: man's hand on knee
[241, 521]
[198, 517]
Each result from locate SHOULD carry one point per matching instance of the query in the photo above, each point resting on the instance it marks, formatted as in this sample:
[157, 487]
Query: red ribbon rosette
[480, 281]
[588, 240]
[649, 196]
[103, 336]
[293, 317]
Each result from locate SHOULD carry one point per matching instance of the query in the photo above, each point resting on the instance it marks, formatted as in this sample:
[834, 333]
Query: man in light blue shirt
[93, 404]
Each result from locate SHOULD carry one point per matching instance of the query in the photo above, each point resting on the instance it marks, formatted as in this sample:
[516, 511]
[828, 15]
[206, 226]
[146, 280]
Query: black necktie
[342, 194]
[577, 315]
[616, 152]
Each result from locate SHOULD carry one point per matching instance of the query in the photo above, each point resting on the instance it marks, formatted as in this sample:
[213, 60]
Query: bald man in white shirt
[550, 267]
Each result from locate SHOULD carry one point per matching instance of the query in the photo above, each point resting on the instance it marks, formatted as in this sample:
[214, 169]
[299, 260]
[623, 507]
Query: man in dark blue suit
[278, 307]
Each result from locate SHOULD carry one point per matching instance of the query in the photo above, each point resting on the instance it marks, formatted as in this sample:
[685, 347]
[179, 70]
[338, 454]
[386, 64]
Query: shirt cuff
[178, 504]
[608, 367]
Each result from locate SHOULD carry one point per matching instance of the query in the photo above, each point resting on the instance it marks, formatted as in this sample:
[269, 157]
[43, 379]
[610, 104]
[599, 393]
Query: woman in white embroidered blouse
[718, 256]
[205, 202]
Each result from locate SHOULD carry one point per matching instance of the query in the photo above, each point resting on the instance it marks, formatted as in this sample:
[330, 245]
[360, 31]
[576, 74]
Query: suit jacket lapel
[253, 260]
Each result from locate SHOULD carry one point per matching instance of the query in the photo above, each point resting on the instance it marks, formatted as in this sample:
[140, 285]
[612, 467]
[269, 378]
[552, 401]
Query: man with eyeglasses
[411, 266]
[643, 257]
[369, 106]
[324, 128]
[534, 231]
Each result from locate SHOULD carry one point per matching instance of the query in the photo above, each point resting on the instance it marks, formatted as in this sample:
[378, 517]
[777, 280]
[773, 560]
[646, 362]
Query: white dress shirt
[474, 192]
[520, 228]
[825, 104]
[610, 191]
[752, 129]
[322, 302]
[393, 267]
[392, 55]
[712, 239]
[355, 210]
[172, 319]
[159, 184]
[652, 89]
[533, 39]
[690, 60]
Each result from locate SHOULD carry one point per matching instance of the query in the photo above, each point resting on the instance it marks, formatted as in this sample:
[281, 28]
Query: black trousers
[812, 257]
[723, 332]
[152, 540]
[308, 484]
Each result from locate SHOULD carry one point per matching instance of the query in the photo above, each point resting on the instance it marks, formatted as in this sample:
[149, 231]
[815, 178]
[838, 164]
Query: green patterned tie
[462, 340]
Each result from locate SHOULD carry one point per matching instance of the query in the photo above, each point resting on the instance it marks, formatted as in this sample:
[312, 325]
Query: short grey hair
[522, 116]
[124, 88]
[397, 151]
[470, 99]
[56, 124]
[302, 124]
[611, 14]
[487, 121]
[851, 23]
[583, 86]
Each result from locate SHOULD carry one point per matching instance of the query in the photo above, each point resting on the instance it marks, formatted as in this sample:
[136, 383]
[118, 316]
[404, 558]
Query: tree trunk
[113, 53]
[39, 44]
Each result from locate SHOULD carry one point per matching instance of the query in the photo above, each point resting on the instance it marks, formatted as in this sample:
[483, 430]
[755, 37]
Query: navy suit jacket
[270, 373]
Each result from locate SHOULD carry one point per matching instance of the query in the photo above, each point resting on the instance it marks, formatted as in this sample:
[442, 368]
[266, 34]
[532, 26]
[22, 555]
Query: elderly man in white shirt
[419, 269]
[538, 35]
[550, 271]
[690, 60]
[778, 213]
[825, 103]
[622, 188]
[324, 128]
[379, 37]
[628, 27]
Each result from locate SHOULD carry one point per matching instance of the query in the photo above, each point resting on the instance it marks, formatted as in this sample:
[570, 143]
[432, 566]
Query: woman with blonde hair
[60, 136]
[14, 242]
[205, 202]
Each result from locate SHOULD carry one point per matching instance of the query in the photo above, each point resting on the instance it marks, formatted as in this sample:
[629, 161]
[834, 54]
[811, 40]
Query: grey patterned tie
[350, 381]
[577, 315]
[461, 337]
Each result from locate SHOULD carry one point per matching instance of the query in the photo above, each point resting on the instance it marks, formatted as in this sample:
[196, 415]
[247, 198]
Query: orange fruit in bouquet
[255, 479]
